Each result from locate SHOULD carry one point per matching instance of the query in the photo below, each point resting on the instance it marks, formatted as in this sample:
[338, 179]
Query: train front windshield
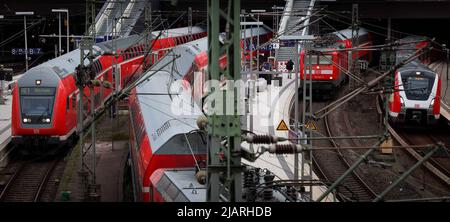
[319, 60]
[417, 87]
[36, 104]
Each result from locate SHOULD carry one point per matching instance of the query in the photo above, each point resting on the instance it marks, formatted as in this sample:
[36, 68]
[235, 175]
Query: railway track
[29, 181]
[353, 188]
[329, 167]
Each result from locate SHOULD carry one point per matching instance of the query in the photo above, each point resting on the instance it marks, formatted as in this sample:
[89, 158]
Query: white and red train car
[160, 137]
[165, 146]
[326, 75]
[416, 97]
[45, 97]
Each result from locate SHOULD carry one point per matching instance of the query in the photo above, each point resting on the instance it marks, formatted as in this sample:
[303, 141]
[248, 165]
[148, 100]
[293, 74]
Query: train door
[117, 76]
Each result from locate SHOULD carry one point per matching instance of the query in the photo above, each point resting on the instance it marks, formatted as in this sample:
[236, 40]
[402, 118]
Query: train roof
[255, 31]
[178, 32]
[415, 66]
[66, 64]
[63, 65]
[347, 33]
[407, 47]
[162, 120]
[121, 43]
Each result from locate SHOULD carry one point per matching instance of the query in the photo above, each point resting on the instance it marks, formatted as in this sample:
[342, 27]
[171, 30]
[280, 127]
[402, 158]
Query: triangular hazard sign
[311, 125]
[282, 126]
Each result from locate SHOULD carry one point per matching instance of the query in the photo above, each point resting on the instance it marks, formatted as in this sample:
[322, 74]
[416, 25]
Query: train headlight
[401, 101]
[26, 120]
[46, 120]
[432, 103]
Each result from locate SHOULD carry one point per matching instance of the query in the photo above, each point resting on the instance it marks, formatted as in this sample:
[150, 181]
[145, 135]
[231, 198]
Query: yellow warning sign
[282, 126]
[311, 125]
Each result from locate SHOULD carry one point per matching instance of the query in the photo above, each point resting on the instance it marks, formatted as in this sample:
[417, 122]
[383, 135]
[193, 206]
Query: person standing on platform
[290, 67]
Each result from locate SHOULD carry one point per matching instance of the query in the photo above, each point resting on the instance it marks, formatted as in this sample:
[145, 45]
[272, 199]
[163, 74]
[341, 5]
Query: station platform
[5, 129]
[445, 100]
[441, 69]
[269, 108]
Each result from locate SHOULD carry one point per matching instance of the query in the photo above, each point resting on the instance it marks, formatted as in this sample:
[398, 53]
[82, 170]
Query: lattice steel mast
[224, 181]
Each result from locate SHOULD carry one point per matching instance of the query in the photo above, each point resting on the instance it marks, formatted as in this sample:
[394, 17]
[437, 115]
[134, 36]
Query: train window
[100, 66]
[125, 54]
[325, 60]
[96, 68]
[417, 87]
[363, 39]
[136, 51]
[163, 183]
[74, 101]
[313, 59]
[181, 198]
[36, 103]
[172, 191]
[132, 52]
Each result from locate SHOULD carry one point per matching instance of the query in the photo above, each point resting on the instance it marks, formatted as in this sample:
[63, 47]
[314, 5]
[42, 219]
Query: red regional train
[416, 97]
[327, 77]
[45, 98]
[165, 141]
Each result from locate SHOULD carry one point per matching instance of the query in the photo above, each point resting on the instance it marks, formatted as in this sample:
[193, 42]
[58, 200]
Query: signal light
[38, 82]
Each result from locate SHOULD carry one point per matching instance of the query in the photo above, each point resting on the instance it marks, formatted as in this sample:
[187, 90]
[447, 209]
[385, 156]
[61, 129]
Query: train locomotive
[416, 96]
[331, 58]
[45, 97]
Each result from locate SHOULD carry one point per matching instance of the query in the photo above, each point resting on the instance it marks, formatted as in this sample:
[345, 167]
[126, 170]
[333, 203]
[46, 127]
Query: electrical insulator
[284, 148]
[263, 139]
[202, 120]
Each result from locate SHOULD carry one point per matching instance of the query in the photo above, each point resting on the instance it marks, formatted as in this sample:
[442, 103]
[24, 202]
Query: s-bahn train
[45, 98]
[165, 144]
[416, 97]
[328, 65]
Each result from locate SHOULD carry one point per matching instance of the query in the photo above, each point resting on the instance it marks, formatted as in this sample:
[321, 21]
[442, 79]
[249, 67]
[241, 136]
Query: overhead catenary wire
[378, 33]
[20, 33]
